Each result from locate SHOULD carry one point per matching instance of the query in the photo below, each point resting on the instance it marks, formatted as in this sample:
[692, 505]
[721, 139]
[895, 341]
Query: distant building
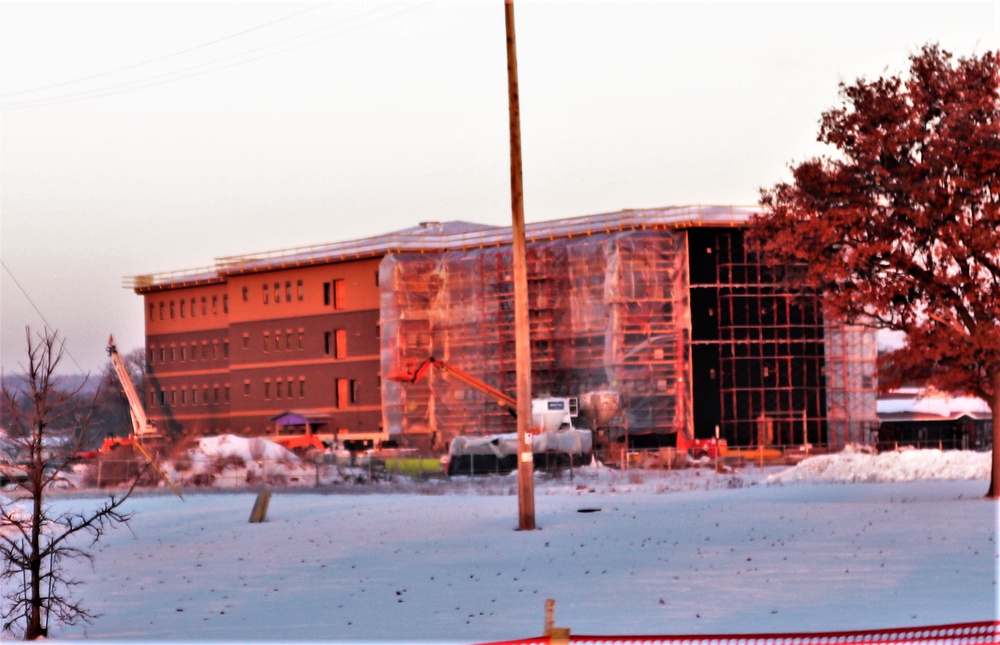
[925, 418]
[662, 309]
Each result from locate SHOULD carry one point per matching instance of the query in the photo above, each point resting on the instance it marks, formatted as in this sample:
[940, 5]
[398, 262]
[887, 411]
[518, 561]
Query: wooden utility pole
[522, 337]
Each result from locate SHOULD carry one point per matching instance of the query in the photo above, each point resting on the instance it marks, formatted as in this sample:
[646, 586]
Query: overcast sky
[139, 137]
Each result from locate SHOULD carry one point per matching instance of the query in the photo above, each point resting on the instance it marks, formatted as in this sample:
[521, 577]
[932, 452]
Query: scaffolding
[608, 311]
[852, 384]
[699, 341]
[766, 347]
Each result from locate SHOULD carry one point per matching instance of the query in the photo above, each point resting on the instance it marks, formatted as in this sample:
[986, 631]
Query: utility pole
[522, 337]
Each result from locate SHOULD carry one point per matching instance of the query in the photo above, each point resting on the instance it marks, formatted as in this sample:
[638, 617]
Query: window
[355, 391]
[225, 303]
[184, 396]
[277, 388]
[288, 339]
[343, 393]
[204, 350]
[277, 340]
[194, 396]
[246, 341]
[152, 354]
[204, 306]
[378, 330]
[163, 307]
[302, 338]
[173, 353]
[376, 278]
[225, 391]
[336, 343]
[333, 294]
[301, 290]
[267, 388]
[340, 346]
[302, 387]
[215, 349]
[225, 349]
[277, 292]
[171, 310]
[288, 292]
[215, 389]
[183, 308]
[152, 311]
[184, 351]
[338, 294]
[194, 311]
[246, 294]
[266, 297]
[246, 387]
[215, 305]
[267, 341]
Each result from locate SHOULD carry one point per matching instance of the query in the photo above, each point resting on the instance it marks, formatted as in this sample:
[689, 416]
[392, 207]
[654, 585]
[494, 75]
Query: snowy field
[851, 541]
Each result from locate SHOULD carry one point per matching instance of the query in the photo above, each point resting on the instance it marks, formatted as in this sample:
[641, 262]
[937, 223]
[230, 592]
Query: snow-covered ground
[848, 541]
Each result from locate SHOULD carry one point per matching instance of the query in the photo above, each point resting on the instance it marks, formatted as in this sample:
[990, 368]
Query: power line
[152, 81]
[164, 57]
[39, 312]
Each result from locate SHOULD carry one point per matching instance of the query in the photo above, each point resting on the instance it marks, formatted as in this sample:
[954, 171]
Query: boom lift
[554, 440]
[142, 427]
[506, 402]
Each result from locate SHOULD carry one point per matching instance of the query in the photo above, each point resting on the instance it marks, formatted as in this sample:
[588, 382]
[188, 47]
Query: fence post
[556, 635]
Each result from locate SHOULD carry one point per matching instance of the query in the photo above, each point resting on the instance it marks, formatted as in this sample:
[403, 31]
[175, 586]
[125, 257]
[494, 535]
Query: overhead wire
[163, 57]
[152, 81]
[31, 302]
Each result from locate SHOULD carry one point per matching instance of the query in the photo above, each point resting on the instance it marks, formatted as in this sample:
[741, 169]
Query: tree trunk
[994, 491]
[35, 628]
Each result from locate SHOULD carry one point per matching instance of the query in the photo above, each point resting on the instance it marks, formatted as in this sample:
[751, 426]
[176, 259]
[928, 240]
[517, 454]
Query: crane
[141, 425]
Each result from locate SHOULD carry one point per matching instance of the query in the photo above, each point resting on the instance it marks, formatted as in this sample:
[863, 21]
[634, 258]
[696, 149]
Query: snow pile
[228, 445]
[853, 465]
[233, 462]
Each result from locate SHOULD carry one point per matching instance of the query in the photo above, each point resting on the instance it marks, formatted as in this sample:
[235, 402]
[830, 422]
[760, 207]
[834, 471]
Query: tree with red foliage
[900, 229]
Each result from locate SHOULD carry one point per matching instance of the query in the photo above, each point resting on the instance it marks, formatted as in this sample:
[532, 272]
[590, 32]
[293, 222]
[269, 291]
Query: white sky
[138, 137]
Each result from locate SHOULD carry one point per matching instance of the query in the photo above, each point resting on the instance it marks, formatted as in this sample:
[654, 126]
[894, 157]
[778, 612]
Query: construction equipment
[555, 443]
[299, 442]
[142, 427]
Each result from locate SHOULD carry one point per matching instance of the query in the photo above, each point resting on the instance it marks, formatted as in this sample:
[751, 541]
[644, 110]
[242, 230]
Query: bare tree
[44, 429]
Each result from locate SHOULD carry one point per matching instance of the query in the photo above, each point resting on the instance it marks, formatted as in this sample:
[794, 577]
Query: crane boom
[505, 401]
[141, 425]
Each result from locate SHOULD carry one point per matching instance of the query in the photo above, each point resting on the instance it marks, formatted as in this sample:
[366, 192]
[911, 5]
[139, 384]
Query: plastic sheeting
[608, 312]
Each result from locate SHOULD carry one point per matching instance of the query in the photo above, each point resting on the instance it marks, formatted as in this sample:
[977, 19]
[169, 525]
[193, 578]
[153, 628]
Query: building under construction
[657, 320]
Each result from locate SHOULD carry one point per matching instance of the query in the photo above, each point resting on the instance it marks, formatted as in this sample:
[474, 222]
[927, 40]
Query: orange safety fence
[980, 633]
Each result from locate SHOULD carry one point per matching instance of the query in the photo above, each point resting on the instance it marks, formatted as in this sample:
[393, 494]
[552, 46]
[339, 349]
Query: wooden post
[259, 511]
[556, 635]
[522, 338]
